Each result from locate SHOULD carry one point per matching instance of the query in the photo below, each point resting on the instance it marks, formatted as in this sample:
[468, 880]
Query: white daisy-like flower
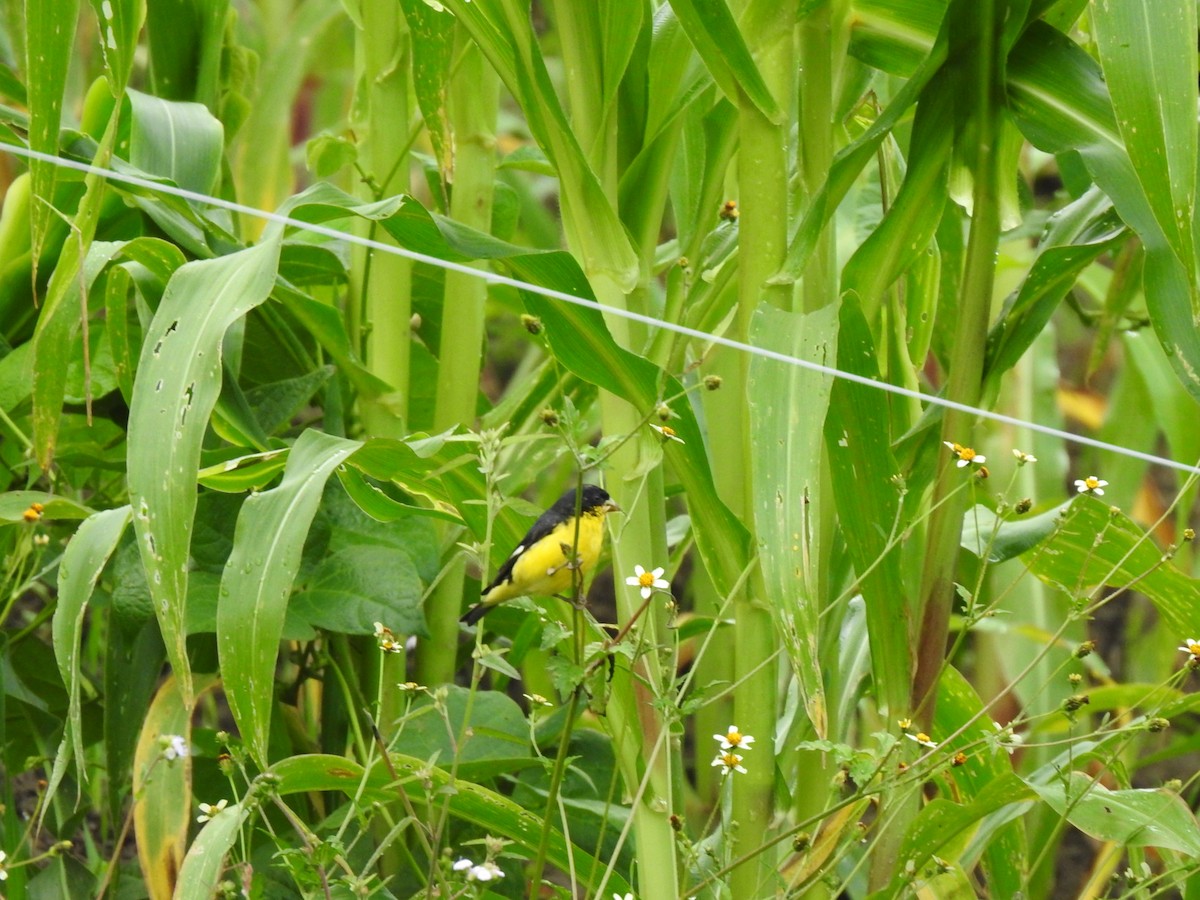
[1091, 485]
[734, 739]
[211, 811]
[3, 867]
[1023, 457]
[648, 582]
[922, 738]
[966, 455]
[1192, 646]
[668, 433]
[387, 639]
[729, 762]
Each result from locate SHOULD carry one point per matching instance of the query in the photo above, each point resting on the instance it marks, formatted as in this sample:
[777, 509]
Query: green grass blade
[177, 385]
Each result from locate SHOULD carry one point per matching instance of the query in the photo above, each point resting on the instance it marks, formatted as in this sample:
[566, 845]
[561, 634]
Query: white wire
[494, 278]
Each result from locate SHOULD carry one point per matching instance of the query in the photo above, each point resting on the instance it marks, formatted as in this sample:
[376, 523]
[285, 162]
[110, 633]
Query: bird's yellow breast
[543, 568]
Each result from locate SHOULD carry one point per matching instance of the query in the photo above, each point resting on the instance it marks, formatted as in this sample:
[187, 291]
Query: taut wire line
[495, 278]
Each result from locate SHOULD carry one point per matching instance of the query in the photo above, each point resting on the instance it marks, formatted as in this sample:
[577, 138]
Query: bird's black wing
[546, 523]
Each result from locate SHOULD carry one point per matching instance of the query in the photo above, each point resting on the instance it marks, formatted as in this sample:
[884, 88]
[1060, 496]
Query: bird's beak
[611, 506]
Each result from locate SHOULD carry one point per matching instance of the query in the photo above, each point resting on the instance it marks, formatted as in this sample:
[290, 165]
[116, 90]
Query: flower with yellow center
[648, 582]
[1091, 485]
[668, 433]
[733, 739]
[966, 455]
[729, 762]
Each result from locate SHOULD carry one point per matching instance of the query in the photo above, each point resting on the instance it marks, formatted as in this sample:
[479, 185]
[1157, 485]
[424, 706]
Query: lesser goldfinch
[541, 562]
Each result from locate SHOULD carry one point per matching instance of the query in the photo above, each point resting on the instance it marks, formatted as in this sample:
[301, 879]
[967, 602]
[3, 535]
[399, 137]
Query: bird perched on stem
[543, 562]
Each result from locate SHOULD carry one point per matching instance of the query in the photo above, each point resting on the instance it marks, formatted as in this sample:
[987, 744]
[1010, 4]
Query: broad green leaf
[180, 141]
[359, 571]
[13, 505]
[787, 405]
[177, 385]
[1150, 70]
[49, 36]
[120, 23]
[1133, 818]
[204, 866]
[257, 583]
[499, 732]
[711, 27]
[382, 508]
[1097, 545]
[858, 446]
[895, 35]
[1007, 538]
[83, 561]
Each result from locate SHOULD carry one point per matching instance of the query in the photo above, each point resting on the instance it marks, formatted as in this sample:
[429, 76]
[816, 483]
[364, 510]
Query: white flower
[966, 455]
[1023, 457]
[1192, 646]
[628, 896]
[3, 868]
[668, 433]
[387, 639]
[210, 811]
[484, 872]
[729, 762]
[462, 865]
[174, 747]
[922, 738]
[734, 739]
[1006, 737]
[1091, 485]
[648, 581]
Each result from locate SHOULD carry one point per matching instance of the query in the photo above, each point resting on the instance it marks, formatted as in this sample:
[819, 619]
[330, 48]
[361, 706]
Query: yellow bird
[541, 563]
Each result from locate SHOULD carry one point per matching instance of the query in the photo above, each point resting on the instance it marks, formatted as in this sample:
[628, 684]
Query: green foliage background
[232, 445]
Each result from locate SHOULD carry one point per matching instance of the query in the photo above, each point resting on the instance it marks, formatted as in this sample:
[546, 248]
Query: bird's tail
[475, 613]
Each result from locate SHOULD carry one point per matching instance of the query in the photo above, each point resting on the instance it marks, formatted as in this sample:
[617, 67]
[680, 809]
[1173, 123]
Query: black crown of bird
[542, 562]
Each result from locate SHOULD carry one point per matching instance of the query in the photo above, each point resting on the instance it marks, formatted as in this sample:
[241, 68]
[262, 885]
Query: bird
[541, 562]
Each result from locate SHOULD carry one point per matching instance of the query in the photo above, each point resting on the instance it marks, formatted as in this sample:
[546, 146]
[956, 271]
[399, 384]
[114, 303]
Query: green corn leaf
[711, 27]
[257, 583]
[177, 385]
[83, 561]
[49, 39]
[120, 23]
